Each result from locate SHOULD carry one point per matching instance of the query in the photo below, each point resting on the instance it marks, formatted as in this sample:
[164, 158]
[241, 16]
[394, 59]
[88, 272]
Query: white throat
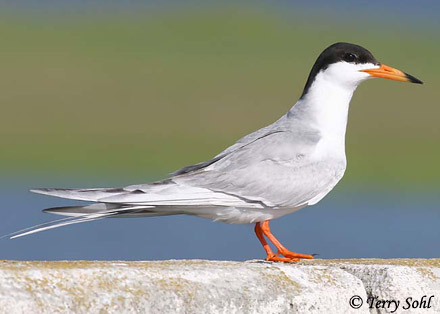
[325, 105]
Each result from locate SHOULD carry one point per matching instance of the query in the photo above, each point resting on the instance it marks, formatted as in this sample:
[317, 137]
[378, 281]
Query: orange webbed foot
[298, 256]
[276, 258]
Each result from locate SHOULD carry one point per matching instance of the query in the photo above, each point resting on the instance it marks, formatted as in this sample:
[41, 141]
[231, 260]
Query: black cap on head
[339, 52]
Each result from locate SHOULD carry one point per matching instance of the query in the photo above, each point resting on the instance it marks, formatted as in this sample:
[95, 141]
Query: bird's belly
[236, 215]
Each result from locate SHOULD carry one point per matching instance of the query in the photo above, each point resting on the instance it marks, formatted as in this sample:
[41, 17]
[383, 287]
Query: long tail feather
[73, 220]
[35, 226]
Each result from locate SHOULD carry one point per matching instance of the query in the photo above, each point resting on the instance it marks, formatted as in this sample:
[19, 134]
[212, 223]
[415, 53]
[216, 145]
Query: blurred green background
[138, 93]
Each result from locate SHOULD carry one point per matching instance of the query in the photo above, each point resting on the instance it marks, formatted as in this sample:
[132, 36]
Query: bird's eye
[350, 57]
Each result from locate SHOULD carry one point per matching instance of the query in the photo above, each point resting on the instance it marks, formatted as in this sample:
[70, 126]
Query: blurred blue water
[349, 223]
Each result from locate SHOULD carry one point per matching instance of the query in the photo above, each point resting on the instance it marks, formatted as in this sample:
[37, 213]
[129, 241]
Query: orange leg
[260, 237]
[262, 229]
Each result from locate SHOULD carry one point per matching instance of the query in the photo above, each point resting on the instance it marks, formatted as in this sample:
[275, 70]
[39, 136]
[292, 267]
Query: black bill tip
[412, 79]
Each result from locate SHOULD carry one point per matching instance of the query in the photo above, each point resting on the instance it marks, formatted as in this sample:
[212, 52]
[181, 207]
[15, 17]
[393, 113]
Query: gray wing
[278, 170]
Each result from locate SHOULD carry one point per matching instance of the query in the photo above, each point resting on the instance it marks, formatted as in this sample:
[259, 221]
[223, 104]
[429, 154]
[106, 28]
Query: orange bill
[391, 73]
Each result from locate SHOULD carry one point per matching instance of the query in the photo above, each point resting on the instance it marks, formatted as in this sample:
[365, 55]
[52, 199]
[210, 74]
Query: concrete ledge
[197, 286]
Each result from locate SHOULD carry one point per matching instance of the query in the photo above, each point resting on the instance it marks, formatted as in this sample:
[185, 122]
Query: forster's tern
[269, 173]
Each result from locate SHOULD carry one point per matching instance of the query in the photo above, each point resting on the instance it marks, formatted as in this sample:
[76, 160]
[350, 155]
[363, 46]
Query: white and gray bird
[269, 173]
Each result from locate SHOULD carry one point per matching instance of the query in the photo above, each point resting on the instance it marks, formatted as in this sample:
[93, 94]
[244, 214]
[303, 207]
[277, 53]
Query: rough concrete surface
[198, 286]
